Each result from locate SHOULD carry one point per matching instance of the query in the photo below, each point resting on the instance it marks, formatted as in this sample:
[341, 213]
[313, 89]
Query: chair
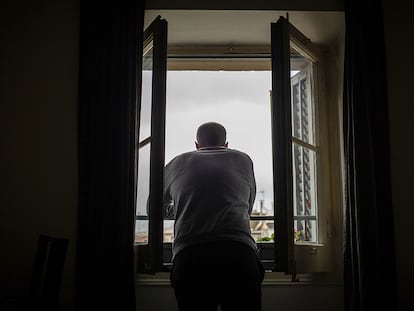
[46, 277]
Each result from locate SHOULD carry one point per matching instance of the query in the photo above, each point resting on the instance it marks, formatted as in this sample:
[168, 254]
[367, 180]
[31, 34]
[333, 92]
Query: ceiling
[226, 27]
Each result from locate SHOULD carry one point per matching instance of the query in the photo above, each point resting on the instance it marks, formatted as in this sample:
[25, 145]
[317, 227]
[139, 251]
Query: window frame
[149, 256]
[182, 58]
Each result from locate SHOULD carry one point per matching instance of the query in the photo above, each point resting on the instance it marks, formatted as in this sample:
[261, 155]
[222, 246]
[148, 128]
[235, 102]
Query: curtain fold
[109, 88]
[369, 256]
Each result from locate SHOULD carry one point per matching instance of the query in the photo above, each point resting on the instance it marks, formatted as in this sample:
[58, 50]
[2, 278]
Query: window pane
[145, 118]
[142, 223]
[304, 181]
[305, 231]
[141, 227]
[303, 117]
[168, 231]
[262, 230]
[141, 231]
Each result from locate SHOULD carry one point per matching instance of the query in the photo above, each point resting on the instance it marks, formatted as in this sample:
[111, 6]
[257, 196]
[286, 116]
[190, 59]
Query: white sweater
[210, 193]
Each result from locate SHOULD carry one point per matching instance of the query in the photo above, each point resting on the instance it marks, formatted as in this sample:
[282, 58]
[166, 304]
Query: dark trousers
[222, 273]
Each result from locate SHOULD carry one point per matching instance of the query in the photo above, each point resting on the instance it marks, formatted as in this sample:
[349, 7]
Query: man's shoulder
[181, 157]
[221, 151]
[185, 155]
[210, 151]
[236, 151]
[240, 154]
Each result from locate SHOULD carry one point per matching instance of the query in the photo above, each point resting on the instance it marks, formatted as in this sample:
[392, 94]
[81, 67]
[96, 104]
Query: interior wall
[399, 49]
[334, 79]
[300, 5]
[276, 297]
[38, 100]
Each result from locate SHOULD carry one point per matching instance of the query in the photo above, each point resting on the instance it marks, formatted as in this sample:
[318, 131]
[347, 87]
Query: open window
[150, 145]
[288, 221]
[297, 93]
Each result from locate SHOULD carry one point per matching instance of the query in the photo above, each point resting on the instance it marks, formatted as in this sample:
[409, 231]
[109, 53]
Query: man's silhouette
[210, 193]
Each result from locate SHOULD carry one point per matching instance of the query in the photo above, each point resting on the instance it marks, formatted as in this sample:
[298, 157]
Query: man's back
[213, 191]
[210, 194]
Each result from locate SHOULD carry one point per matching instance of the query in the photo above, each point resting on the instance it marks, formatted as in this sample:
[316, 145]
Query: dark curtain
[369, 257]
[109, 88]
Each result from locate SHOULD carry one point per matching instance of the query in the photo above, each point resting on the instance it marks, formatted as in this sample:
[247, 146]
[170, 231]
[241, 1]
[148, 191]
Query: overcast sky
[239, 100]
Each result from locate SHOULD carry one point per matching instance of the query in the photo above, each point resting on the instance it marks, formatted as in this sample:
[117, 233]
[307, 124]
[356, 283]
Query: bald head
[211, 134]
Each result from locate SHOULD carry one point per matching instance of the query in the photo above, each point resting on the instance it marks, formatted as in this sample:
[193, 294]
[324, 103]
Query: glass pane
[262, 230]
[141, 231]
[168, 231]
[303, 117]
[141, 228]
[305, 231]
[304, 181]
[145, 119]
[142, 223]
[168, 240]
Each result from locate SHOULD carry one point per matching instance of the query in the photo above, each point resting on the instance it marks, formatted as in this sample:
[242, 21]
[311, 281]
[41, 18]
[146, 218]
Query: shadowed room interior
[40, 164]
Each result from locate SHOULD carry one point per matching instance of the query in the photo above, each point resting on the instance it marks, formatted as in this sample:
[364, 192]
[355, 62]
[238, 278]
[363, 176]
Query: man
[210, 193]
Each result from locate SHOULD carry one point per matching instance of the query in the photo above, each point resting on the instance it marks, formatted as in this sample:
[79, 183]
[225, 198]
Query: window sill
[270, 279]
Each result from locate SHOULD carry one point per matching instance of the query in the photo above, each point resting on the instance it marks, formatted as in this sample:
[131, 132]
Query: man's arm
[169, 210]
[252, 190]
[168, 205]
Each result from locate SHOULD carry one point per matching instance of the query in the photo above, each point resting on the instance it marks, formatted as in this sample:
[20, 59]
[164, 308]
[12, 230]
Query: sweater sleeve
[168, 203]
[252, 188]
